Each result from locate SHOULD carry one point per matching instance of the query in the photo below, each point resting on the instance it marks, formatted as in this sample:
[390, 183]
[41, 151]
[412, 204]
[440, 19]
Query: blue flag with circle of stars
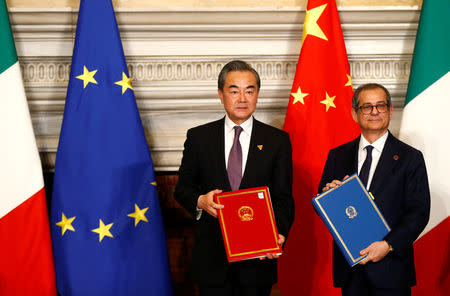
[107, 230]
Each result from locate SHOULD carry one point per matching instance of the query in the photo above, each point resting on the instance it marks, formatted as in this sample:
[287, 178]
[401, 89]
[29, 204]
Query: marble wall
[175, 50]
[211, 3]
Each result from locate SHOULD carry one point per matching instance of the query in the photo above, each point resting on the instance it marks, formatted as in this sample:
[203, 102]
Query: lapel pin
[395, 157]
[260, 147]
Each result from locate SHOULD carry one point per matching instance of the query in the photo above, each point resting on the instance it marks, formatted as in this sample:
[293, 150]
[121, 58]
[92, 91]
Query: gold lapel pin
[260, 147]
[395, 157]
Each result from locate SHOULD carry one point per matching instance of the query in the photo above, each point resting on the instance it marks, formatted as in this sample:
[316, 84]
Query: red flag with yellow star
[318, 118]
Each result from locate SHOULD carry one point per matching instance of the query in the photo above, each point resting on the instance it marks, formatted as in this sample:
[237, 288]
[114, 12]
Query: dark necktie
[234, 168]
[365, 169]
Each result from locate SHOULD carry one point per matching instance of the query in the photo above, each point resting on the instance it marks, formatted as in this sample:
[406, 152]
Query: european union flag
[107, 231]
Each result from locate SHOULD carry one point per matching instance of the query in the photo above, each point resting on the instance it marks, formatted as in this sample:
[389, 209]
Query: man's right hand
[206, 203]
[333, 184]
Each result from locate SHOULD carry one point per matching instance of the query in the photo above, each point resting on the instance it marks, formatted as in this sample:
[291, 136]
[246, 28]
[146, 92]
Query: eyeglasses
[367, 109]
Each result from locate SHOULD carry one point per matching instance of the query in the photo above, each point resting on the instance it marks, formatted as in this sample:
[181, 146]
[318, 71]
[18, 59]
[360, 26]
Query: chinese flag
[318, 118]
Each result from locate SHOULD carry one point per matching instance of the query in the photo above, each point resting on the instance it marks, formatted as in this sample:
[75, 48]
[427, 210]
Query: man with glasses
[396, 176]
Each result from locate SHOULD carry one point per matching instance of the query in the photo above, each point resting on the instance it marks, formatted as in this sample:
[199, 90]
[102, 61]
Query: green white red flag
[425, 126]
[26, 262]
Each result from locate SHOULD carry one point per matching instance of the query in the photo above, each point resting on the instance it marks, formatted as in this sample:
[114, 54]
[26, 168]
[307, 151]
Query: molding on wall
[155, 80]
[174, 56]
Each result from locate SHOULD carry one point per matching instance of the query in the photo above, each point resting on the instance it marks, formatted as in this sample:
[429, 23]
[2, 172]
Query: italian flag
[425, 125]
[26, 262]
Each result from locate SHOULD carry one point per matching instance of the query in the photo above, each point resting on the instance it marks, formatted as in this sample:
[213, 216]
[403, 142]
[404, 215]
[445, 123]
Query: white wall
[174, 56]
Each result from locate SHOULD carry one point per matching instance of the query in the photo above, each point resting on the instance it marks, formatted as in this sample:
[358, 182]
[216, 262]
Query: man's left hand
[281, 240]
[375, 252]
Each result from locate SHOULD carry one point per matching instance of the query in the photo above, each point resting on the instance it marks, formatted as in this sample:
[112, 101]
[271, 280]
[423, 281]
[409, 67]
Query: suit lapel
[219, 137]
[255, 140]
[353, 154]
[349, 159]
[385, 164]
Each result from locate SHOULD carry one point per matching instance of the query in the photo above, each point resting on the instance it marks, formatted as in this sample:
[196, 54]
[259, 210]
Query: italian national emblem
[351, 212]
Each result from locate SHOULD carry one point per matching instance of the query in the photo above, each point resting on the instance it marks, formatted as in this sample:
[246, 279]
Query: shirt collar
[246, 125]
[377, 145]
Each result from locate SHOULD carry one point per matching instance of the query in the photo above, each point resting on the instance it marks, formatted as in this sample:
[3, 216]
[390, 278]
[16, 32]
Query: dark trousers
[230, 290]
[359, 285]
[234, 287]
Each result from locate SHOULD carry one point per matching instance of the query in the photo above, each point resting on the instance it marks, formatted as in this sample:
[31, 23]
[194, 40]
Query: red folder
[248, 224]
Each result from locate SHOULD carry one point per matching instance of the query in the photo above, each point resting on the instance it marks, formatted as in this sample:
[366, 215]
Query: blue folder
[352, 217]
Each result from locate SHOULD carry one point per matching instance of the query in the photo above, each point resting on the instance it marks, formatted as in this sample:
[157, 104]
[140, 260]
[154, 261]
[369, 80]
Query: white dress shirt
[244, 139]
[378, 146]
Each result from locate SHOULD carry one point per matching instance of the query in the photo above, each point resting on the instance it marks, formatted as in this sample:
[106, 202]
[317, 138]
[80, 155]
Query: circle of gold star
[329, 101]
[125, 83]
[103, 230]
[138, 215]
[65, 224]
[87, 77]
[311, 27]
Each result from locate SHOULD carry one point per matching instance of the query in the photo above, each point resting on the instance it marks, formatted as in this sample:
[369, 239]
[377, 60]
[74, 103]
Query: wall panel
[174, 56]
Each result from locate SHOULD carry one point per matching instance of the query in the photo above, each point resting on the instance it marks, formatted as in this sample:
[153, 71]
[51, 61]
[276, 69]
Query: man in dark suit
[395, 174]
[235, 152]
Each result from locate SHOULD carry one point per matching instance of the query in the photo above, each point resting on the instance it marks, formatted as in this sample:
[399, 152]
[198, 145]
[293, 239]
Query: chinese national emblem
[245, 213]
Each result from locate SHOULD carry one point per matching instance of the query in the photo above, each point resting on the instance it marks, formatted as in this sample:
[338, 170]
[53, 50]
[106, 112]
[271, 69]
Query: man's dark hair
[369, 86]
[236, 65]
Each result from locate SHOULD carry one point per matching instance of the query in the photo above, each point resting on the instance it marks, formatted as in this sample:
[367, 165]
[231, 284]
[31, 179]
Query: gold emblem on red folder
[245, 213]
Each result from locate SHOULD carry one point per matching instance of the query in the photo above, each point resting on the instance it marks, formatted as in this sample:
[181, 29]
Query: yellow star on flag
[328, 101]
[103, 230]
[298, 96]
[65, 224]
[138, 215]
[349, 81]
[311, 27]
[125, 83]
[153, 183]
[87, 76]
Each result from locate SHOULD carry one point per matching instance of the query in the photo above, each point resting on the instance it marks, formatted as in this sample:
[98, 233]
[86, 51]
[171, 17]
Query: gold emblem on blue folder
[245, 213]
[351, 212]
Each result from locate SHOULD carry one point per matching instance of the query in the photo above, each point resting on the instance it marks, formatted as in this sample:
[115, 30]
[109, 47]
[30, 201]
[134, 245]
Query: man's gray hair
[369, 86]
[236, 65]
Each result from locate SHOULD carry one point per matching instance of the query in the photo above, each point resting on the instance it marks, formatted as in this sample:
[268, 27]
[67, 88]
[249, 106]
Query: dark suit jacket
[203, 169]
[400, 188]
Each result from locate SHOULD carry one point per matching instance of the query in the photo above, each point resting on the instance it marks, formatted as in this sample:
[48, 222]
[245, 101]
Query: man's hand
[333, 184]
[205, 202]
[281, 240]
[375, 252]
